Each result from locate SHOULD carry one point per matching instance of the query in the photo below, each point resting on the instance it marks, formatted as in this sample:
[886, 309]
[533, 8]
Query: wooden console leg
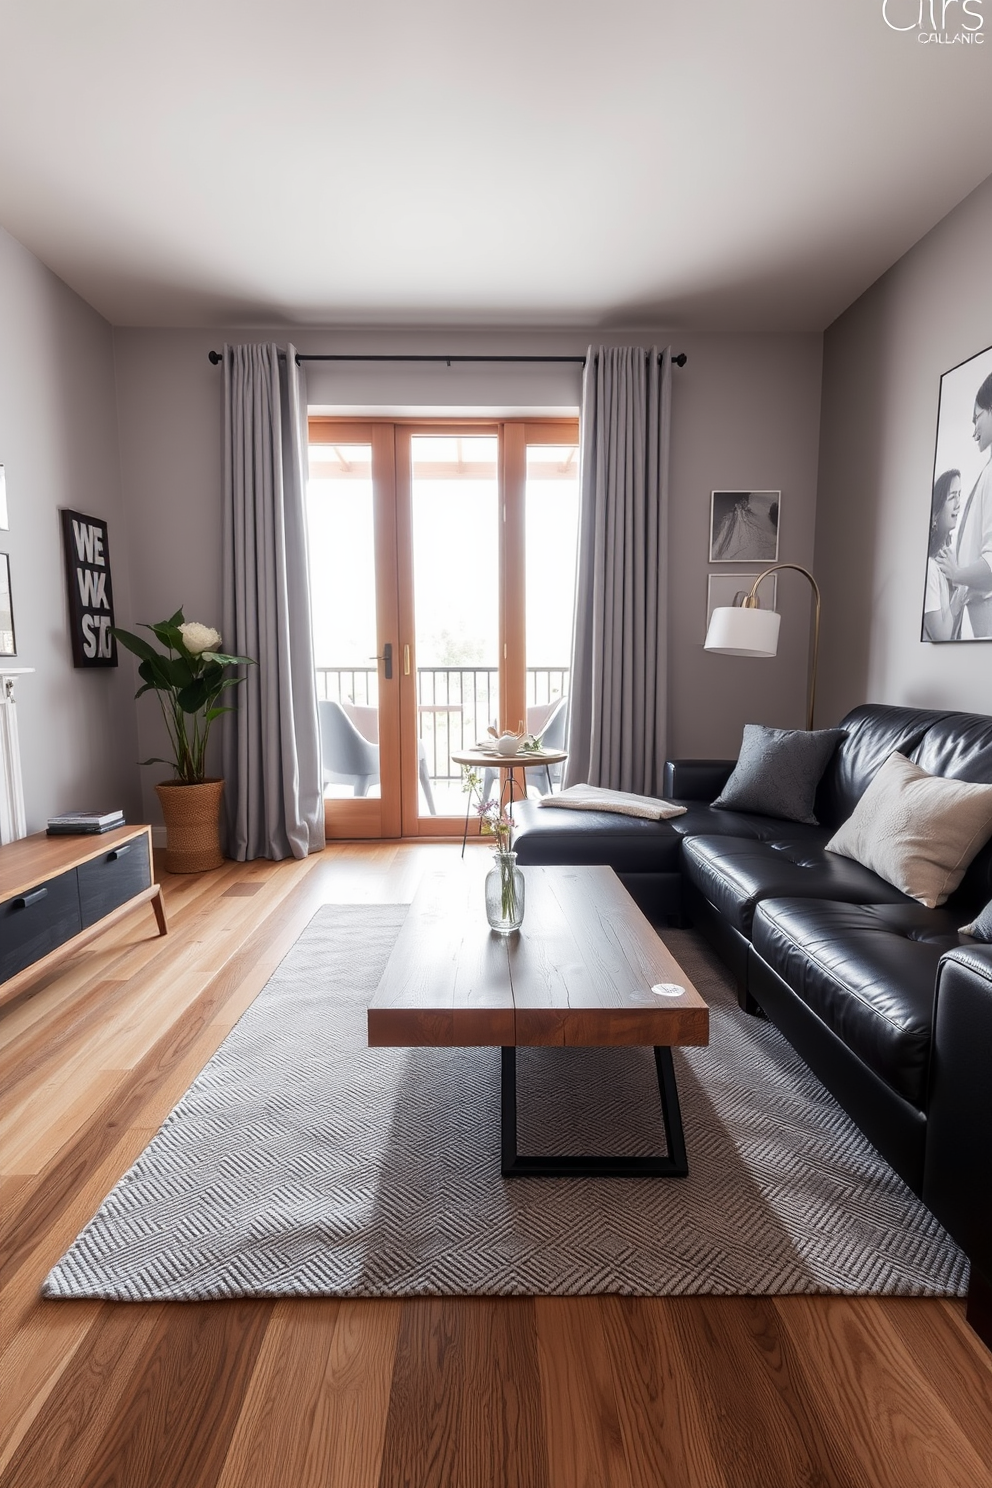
[979, 1312]
[158, 905]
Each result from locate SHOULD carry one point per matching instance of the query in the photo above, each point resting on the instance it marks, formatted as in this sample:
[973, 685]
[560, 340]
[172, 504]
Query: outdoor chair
[346, 756]
[349, 749]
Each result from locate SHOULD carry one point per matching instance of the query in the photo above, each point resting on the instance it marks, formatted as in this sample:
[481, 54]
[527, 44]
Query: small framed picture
[730, 589]
[744, 526]
[7, 645]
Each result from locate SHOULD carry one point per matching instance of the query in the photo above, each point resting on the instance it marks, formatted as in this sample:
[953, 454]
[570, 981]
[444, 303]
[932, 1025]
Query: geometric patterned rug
[302, 1163]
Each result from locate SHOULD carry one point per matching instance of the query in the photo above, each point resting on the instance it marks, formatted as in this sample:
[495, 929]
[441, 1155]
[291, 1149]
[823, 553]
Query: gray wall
[745, 415]
[883, 360]
[58, 443]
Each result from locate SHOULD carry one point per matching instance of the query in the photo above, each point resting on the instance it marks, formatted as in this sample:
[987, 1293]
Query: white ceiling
[306, 162]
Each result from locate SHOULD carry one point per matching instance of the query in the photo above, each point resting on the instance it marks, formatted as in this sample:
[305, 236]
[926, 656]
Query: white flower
[197, 637]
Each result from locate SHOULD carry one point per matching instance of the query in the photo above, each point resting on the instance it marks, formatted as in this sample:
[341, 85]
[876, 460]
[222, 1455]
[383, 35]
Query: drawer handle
[118, 852]
[33, 898]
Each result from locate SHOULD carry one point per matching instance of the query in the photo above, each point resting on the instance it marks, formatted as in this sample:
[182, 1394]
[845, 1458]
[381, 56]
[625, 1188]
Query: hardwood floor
[703, 1392]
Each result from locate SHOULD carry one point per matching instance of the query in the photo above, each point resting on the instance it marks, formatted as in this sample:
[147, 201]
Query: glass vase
[505, 894]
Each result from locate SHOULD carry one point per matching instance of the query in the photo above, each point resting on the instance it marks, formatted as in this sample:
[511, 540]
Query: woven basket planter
[192, 824]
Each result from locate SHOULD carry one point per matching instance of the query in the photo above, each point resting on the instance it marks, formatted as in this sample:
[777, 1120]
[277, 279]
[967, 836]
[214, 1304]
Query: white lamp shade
[736, 631]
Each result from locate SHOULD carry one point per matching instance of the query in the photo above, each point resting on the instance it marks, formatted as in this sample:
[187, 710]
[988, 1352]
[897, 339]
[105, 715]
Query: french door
[442, 562]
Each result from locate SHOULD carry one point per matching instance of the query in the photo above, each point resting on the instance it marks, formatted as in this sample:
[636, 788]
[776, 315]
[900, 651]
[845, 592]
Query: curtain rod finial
[215, 357]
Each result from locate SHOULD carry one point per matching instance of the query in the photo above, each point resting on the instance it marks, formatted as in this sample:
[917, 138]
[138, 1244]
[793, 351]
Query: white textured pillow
[917, 831]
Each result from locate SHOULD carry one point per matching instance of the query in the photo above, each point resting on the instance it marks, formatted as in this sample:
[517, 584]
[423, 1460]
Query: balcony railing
[455, 705]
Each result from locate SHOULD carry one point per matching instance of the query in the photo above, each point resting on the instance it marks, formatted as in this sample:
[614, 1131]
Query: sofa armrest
[696, 779]
[957, 1180]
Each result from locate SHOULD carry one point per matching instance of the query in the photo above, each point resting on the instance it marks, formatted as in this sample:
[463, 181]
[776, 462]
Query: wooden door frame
[374, 817]
[398, 813]
[518, 435]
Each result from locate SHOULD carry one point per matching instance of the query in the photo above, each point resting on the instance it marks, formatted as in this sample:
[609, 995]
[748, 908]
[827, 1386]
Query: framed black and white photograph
[744, 526]
[8, 645]
[730, 589]
[90, 592]
[957, 599]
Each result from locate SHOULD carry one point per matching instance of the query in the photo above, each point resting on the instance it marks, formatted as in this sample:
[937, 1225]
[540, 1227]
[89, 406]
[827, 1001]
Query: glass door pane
[341, 524]
[455, 526]
[551, 516]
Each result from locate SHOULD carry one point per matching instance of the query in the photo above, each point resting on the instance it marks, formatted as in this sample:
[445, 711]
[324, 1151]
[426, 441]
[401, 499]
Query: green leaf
[213, 713]
[155, 671]
[224, 660]
[192, 698]
[181, 673]
[156, 760]
[134, 643]
[169, 635]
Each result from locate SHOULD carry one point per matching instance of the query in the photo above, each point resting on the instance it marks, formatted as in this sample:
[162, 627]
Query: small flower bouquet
[504, 882]
[494, 819]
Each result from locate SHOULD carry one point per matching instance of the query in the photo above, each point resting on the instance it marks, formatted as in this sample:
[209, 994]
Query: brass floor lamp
[745, 630]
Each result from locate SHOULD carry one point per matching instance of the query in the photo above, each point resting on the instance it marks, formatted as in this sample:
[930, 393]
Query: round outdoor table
[531, 759]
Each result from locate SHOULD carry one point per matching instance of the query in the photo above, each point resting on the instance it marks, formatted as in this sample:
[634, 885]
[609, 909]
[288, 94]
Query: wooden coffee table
[579, 972]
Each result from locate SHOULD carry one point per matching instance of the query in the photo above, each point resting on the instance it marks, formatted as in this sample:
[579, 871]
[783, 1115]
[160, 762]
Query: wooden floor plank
[334, 1361]
[465, 1400]
[771, 1430]
[86, 1402]
[581, 1421]
[35, 1131]
[664, 1430]
[895, 1423]
[501, 1428]
[163, 1414]
[39, 1353]
[422, 1425]
[948, 1358]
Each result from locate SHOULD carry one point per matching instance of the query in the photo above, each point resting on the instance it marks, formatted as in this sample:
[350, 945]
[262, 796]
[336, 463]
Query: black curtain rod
[218, 356]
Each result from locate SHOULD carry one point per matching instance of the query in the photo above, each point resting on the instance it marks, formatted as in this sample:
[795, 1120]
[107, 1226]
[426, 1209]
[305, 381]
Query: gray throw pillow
[778, 771]
[981, 926]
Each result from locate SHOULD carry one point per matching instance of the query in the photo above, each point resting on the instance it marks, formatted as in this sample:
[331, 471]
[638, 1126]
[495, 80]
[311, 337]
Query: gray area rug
[301, 1163]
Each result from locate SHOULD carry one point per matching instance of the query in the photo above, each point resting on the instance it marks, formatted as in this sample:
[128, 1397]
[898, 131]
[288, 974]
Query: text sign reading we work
[91, 596]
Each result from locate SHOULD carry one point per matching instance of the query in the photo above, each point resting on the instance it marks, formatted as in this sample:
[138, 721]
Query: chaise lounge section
[886, 1000]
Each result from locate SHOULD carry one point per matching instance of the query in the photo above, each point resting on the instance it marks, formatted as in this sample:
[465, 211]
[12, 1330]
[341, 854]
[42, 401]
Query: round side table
[492, 759]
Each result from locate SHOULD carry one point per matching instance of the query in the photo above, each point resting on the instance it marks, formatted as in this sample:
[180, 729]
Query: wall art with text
[91, 594]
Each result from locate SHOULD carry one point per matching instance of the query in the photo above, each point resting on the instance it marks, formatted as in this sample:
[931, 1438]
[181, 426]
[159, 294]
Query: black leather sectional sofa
[885, 1000]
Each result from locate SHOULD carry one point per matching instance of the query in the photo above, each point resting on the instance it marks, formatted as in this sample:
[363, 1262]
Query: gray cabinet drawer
[35, 922]
[113, 878]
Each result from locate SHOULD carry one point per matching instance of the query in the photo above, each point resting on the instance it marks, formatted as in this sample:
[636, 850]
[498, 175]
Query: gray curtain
[271, 744]
[618, 693]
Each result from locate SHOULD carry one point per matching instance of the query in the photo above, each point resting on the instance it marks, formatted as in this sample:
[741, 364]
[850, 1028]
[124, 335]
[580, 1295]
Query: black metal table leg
[674, 1165]
[468, 808]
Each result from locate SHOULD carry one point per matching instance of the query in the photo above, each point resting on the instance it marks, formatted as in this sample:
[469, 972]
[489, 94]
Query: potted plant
[189, 679]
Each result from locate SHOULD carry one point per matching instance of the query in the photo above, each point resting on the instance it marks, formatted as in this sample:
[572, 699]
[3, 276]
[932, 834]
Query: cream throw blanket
[595, 798]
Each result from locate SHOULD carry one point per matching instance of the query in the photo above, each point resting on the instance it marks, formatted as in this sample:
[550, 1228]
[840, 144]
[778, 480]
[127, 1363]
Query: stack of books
[81, 823]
